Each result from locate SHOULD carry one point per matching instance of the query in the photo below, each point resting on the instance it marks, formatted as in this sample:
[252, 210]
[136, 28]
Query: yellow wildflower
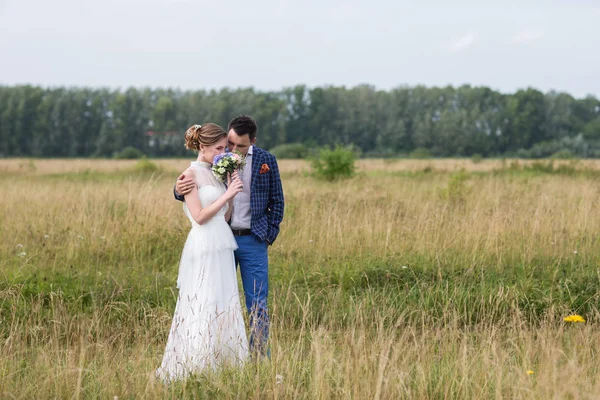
[530, 372]
[574, 318]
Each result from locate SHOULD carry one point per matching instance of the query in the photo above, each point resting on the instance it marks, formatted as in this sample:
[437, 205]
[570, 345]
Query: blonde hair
[206, 134]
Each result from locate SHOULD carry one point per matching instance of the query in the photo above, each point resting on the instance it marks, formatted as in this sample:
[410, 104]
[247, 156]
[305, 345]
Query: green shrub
[335, 164]
[28, 165]
[129, 153]
[457, 190]
[146, 166]
[476, 158]
[548, 167]
[420, 153]
[563, 155]
[290, 150]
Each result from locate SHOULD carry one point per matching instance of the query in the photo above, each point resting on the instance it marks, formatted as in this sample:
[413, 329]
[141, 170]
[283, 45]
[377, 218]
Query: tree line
[444, 122]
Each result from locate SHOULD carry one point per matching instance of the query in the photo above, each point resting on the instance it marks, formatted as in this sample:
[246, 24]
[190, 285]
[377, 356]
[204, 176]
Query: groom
[257, 213]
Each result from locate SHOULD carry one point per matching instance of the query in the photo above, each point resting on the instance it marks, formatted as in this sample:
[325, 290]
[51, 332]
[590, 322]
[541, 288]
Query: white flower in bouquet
[226, 163]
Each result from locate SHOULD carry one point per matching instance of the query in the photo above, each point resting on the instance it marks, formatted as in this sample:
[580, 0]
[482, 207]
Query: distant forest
[439, 122]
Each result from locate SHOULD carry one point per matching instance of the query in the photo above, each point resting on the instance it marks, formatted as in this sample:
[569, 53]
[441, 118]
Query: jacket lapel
[256, 164]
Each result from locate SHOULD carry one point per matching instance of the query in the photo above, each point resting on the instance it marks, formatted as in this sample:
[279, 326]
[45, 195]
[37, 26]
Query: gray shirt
[241, 217]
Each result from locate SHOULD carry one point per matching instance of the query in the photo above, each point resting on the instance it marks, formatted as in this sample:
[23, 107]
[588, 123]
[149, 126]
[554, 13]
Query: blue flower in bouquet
[226, 163]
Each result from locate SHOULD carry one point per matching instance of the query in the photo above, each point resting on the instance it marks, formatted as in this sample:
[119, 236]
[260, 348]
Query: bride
[208, 328]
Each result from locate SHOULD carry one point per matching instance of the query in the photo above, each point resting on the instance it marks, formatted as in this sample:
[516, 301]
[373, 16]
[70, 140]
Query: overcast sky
[196, 44]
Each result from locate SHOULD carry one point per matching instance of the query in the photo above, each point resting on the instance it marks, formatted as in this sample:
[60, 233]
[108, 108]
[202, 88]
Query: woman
[208, 328]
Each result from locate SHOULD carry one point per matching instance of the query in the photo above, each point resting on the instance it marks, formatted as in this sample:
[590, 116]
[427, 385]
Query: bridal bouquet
[226, 163]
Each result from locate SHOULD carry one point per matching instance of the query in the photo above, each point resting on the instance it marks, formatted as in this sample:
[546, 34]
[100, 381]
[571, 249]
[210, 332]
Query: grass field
[415, 279]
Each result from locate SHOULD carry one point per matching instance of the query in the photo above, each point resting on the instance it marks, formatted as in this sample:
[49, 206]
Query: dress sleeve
[205, 177]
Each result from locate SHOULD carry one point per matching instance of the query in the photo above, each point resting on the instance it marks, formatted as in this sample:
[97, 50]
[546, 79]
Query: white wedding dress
[208, 329]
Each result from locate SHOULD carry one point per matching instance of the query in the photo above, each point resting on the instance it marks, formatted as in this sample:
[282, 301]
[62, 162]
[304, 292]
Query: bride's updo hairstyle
[206, 134]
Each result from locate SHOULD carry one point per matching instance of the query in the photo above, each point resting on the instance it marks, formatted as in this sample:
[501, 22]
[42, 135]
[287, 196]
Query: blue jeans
[253, 258]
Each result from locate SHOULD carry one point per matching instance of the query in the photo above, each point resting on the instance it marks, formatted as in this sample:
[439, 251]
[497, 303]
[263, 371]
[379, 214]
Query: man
[257, 213]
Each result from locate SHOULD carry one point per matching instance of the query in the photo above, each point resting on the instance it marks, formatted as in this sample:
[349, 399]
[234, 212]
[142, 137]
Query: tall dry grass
[410, 282]
[31, 166]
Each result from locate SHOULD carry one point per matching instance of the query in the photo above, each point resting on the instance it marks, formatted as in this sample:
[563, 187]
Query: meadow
[417, 279]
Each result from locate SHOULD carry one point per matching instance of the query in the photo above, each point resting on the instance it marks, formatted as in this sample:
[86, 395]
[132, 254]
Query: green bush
[572, 168]
[457, 190]
[335, 164]
[549, 168]
[290, 150]
[566, 148]
[420, 153]
[129, 153]
[146, 166]
[28, 165]
[563, 155]
[476, 158]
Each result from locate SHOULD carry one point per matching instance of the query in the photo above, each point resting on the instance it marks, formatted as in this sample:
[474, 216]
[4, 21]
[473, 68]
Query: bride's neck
[202, 159]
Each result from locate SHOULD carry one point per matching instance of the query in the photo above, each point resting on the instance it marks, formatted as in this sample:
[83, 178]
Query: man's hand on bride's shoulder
[184, 184]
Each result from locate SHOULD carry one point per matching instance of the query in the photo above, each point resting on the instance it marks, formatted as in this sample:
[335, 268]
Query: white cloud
[528, 36]
[463, 43]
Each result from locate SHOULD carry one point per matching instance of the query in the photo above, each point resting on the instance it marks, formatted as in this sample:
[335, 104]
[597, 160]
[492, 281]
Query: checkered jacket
[266, 196]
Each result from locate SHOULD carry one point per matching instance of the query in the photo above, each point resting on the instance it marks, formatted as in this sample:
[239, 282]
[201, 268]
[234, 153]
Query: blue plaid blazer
[266, 196]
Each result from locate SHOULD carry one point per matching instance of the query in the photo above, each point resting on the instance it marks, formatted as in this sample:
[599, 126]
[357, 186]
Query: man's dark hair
[243, 125]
